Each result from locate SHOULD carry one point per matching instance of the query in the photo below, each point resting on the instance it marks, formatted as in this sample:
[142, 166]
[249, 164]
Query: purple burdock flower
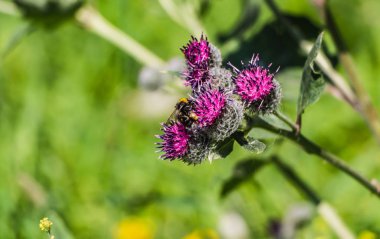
[198, 59]
[175, 141]
[197, 53]
[254, 82]
[196, 77]
[208, 106]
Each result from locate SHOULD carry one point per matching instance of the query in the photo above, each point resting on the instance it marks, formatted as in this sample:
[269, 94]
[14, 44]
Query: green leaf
[243, 171]
[249, 143]
[254, 145]
[48, 13]
[222, 150]
[262, 134]
[312, 84]
[43, 5]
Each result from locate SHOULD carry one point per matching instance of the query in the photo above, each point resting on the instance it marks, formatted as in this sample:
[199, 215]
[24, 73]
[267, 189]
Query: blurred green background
[77, 131]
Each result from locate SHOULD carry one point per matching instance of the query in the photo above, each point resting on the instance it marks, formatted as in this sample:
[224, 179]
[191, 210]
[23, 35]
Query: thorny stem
[324, 209]
[312, 148]
[359, 100]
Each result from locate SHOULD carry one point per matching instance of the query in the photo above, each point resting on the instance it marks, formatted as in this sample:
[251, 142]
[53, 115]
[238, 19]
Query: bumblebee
[183, 112]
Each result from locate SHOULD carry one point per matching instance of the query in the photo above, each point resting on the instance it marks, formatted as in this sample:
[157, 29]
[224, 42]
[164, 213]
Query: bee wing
[172, 117]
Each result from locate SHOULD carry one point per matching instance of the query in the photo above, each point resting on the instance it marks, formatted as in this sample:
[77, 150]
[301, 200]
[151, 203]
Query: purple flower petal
[254, 82]
[197, 53]
[174, 141]
[196, 78]
[208, 107]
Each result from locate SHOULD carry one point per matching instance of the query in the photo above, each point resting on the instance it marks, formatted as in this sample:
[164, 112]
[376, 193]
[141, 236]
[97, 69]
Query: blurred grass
[68, 133]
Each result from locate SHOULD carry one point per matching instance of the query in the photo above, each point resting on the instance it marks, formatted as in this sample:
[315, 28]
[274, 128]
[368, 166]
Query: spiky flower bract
[175, 141]
[221, 78]
[202, 126]
[196, 77]
[216, 56]
[197, 53]
[208, 106]
[229, 122]
[200, 57]
[199, 148]
[254, 82]
[270, 103]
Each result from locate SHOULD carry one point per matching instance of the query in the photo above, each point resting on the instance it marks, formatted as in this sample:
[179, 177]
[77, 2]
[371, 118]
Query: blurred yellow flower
[134, 228]
[367, 235]
[45, 224]
[202, 234]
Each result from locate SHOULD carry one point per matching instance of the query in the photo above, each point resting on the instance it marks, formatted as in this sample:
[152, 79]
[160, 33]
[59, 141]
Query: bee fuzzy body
[184, 112]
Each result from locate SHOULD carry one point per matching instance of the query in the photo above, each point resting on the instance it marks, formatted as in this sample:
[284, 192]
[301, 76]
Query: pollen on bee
[184, 100]
[193, 116]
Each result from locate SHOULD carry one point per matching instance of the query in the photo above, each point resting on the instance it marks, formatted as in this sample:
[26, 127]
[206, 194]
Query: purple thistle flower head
[196, 78]
[208, 106]
[197, 53]
[254, 82]
[175, 141]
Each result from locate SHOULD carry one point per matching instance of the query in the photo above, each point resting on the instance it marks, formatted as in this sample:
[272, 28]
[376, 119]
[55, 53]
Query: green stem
[312, 148]
[328, 213]
[92, 20]
[324, 209]
[286, 120]
[365, 106]
[359, 100]
[184, 15]
[9, 8]
[323, 62]
[295, 179]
